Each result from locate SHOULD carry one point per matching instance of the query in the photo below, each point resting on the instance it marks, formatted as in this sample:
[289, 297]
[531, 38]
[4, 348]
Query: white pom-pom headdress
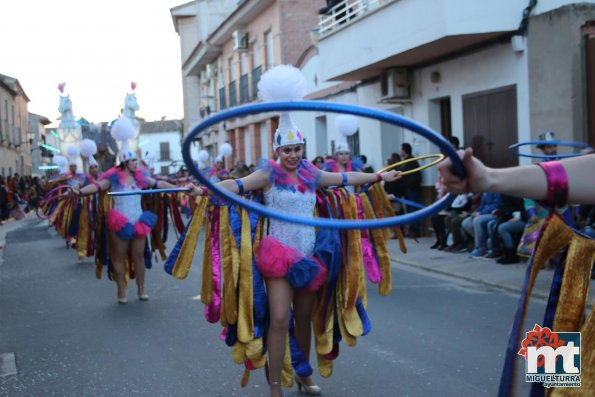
[346, 125]
[123, 130]
[72, 152]
[225, 150]
[88, 149]
[61, 162]
[203, 156]
[283, 83]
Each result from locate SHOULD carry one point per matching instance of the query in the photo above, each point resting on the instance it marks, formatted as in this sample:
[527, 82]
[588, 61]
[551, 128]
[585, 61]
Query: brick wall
[297, 18]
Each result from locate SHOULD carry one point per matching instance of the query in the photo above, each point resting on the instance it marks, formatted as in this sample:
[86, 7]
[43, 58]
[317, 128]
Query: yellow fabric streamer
[184, 260]
[83, 231]
[206, 289]
[571, 306]
[246, 304]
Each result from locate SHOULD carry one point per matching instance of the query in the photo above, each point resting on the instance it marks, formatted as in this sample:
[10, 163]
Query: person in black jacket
[411, 185]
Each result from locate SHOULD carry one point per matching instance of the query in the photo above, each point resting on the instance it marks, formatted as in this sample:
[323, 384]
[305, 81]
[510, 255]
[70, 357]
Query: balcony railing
[244, 89]
[222, 102]
[233, 97]
[256, 72]
[344, 11]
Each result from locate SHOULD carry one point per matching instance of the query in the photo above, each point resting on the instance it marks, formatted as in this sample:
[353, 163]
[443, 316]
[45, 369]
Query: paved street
[435, 335]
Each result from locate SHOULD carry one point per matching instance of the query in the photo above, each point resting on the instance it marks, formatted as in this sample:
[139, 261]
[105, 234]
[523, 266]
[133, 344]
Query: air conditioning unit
[240, 40]
[395, 83]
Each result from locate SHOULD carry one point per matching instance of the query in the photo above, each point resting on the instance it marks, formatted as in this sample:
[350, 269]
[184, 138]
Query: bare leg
[118, 251]
[280, 294]
[303, 305]
[138, 255]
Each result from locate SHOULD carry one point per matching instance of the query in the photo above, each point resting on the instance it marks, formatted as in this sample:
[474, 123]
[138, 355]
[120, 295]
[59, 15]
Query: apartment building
[222, 70]
[15, 153]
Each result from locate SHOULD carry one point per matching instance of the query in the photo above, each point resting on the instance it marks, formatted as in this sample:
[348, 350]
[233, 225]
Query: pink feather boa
[118, 177]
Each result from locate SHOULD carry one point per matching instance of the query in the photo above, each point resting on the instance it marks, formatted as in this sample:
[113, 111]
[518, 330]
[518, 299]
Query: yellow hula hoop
[439, 157]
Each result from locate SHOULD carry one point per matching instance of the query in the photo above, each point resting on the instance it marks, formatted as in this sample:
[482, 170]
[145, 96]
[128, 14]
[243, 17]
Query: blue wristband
[155, 184]
[240, 186]
[344, 175]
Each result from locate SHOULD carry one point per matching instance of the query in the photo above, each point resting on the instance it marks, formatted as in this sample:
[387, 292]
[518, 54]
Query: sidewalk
[482, 271]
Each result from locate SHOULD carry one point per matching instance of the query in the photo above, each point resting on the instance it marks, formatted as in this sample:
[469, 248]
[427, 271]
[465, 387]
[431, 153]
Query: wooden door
[490, 125]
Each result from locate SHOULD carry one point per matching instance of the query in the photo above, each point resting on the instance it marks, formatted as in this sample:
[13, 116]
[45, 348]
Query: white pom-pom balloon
[282, 83]
[60, 161]
[88, 147]
[346, 124]
[72, 151]
[226, 150]
[203, 156]
[122, 129]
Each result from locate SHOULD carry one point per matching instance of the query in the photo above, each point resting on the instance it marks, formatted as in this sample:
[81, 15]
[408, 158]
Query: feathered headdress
[72, 152]
[88, 149]
[283, 83]
[123, 130]
[346, 125]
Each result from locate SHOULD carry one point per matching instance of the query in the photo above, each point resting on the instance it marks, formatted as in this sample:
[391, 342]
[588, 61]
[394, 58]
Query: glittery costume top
[292, 202]
[129, 206]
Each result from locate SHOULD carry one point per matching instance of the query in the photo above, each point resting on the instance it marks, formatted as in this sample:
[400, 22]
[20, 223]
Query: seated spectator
[510, 205]
[458, 211]
[477, 224]
[506, 231]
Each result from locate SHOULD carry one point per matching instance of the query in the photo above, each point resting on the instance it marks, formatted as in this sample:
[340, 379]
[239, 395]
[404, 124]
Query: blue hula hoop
[555, 142]
[316, 106]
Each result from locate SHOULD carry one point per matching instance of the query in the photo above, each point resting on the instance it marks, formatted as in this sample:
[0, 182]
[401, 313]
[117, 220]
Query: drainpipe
[525, 21]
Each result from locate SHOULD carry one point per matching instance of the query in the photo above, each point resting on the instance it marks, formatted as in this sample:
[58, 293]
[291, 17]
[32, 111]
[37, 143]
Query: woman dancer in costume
[128, 225]
[346, 125]
[289, 186]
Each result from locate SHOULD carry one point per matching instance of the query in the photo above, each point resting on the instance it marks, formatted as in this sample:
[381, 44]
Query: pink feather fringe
[115, 220]
[141, 230]
[273, 259]
[118, 177]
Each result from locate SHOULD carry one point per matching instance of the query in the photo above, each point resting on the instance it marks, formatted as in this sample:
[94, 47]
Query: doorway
[490, 125]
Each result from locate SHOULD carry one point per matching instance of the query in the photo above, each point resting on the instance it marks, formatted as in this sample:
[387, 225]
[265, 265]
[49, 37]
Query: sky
[96, 47]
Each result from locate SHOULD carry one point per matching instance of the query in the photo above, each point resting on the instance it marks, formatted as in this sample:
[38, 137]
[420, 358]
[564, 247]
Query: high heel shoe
[142, 296]
[313, 390]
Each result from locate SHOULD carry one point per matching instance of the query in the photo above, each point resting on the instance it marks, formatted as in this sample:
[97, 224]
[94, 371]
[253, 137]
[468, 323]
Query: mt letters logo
[552, 358]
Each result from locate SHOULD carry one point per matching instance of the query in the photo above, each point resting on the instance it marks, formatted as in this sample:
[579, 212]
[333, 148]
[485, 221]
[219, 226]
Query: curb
[467, 278]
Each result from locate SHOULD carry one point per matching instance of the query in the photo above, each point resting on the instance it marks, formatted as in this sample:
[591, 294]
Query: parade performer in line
[554, 184]
[75, 178]
[127, 223]
[301, 267]
[219, 172]
[86, 209]
[346, 125]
